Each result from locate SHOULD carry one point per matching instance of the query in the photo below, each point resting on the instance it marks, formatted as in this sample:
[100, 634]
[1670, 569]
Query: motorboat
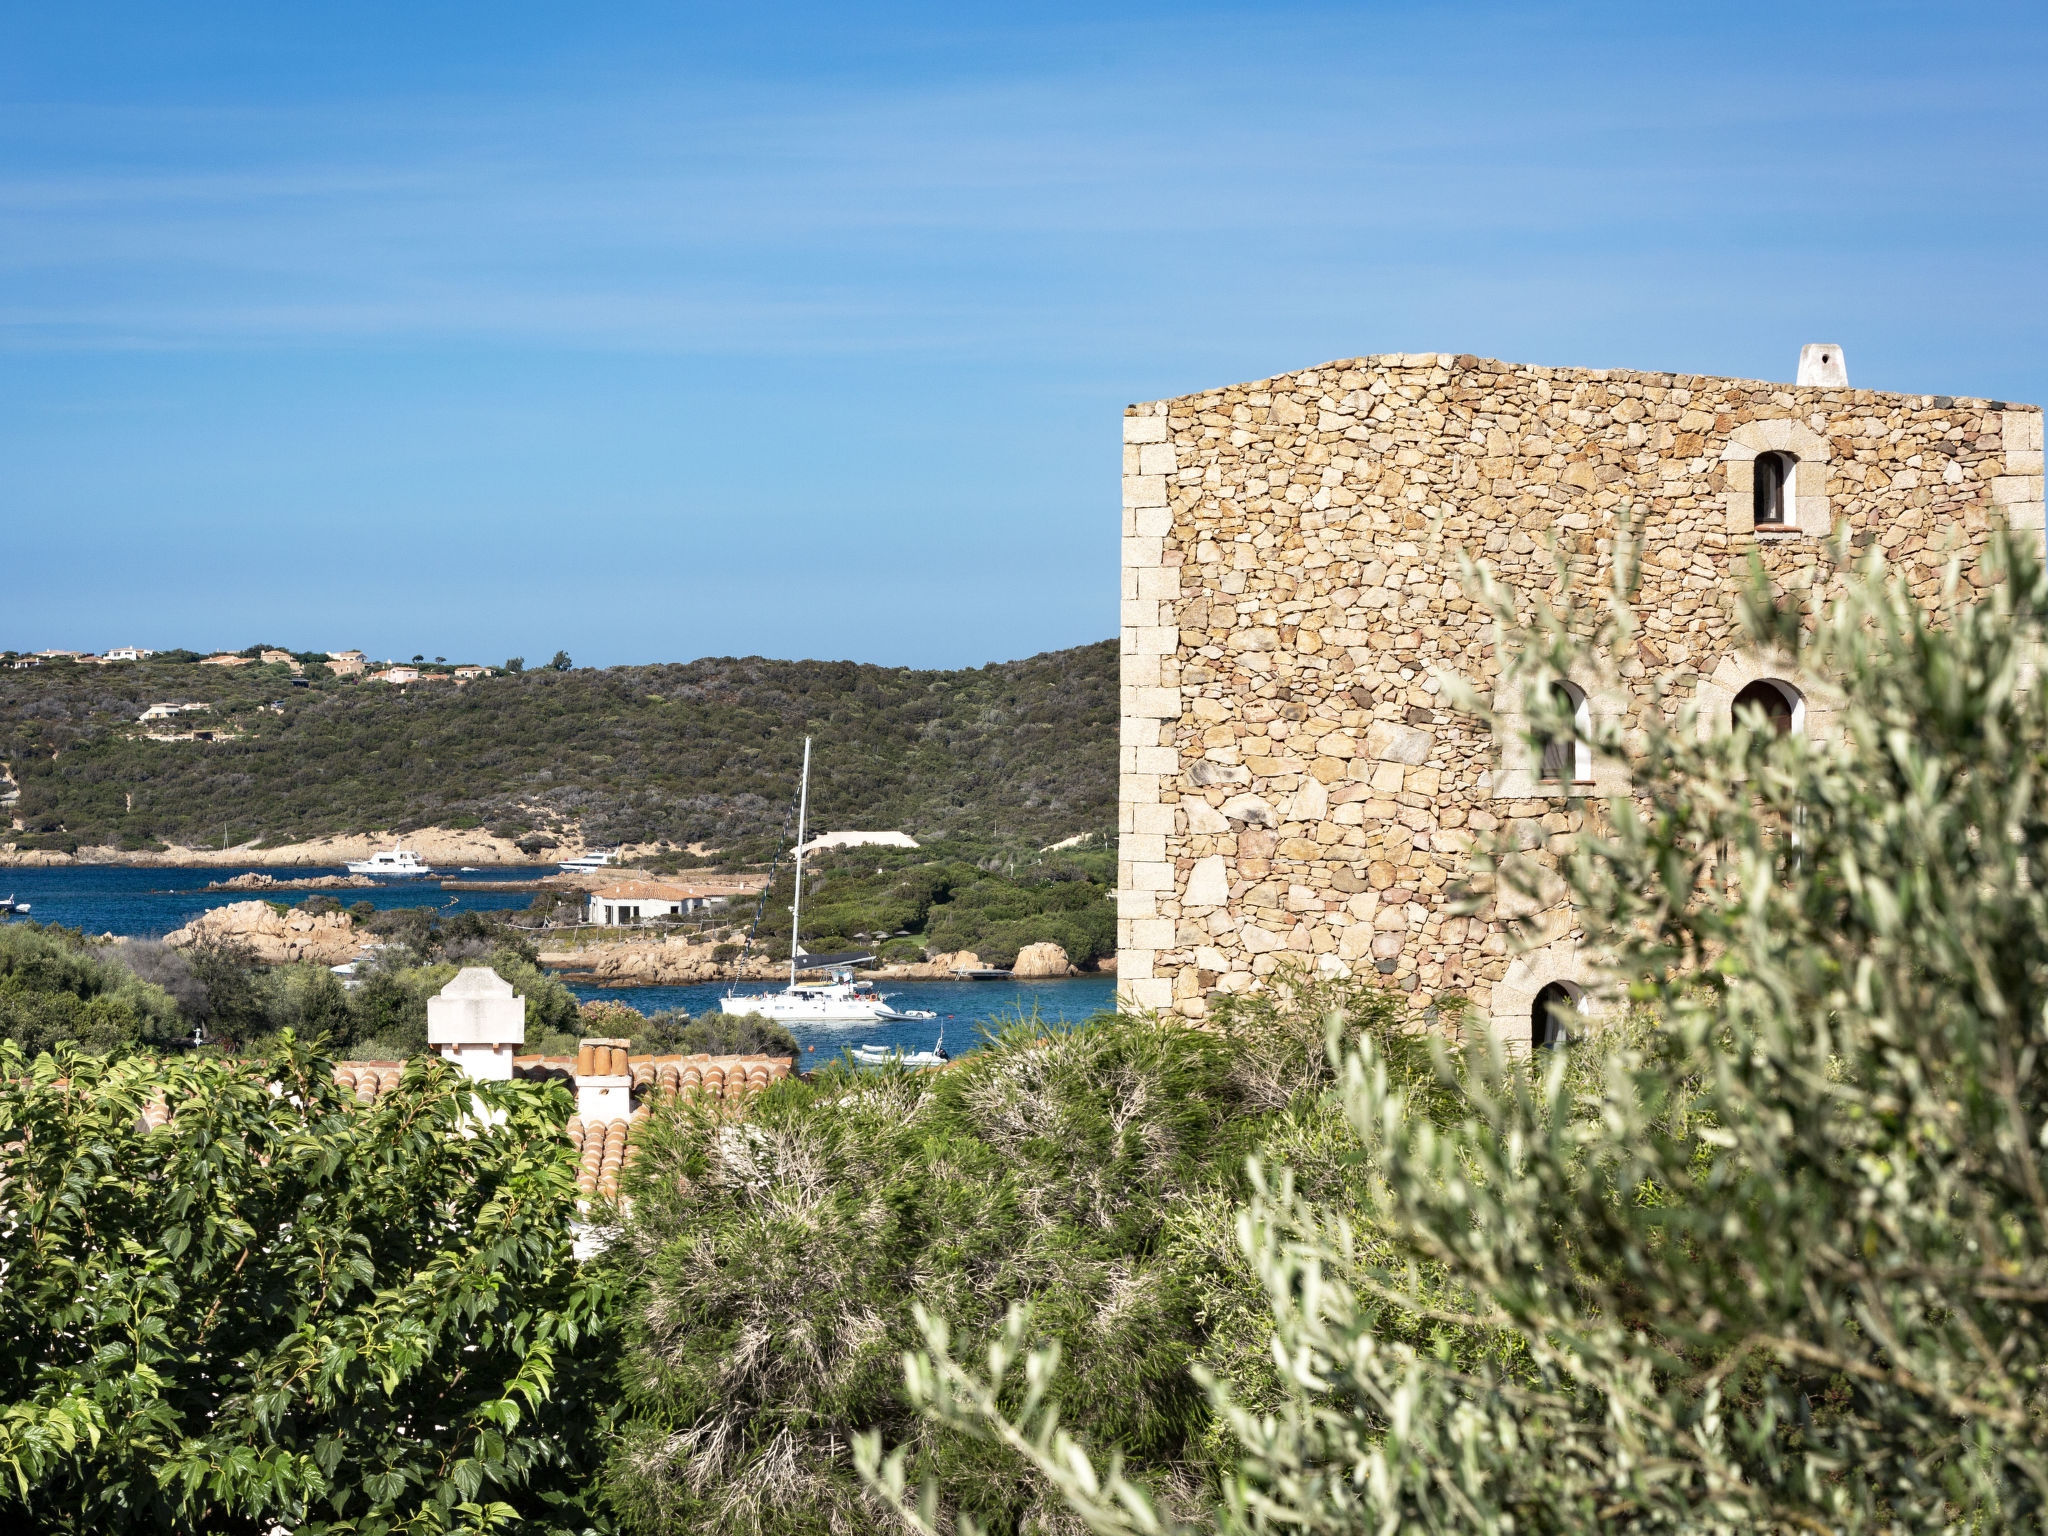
[589, 863]
[840, 1000]
[884, 1055]
[399, 863]
[20, 908]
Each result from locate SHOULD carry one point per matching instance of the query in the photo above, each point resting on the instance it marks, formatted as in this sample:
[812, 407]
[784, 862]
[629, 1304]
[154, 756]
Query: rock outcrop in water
[273, 937]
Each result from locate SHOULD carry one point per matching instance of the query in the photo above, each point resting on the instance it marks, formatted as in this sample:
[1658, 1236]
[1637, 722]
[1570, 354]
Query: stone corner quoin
[1292, 782]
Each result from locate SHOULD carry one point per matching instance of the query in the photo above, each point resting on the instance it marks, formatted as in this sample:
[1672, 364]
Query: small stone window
[1782, 706]
[1553, 1015]
[1569, 759]
[1777, 479]
[1770, 490]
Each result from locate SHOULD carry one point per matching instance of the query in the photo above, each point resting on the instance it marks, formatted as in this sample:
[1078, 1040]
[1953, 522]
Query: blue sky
[657, 332]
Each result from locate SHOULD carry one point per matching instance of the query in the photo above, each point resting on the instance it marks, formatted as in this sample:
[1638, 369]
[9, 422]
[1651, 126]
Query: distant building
[167, 711]
[23, 663]
[346, 666]
[637, 901]
[225, 659]
[355, 656]
[127, 653]
[396, 675]
[859, 840]
[67, 655]
[464, 674]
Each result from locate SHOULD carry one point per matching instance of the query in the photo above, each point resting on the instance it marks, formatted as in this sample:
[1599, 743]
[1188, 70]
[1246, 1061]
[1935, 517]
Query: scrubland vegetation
[700, 753]
[1763, 1248]
[59, 987]
[954, 895]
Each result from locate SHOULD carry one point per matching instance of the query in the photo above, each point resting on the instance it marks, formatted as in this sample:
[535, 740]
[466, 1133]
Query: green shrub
[1768, 1252]
[778, 1261]
[285, 1310]
[56, 985]
[715, 1034]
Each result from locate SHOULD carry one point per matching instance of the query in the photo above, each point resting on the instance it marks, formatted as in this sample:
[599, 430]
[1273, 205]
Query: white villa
[639, 901]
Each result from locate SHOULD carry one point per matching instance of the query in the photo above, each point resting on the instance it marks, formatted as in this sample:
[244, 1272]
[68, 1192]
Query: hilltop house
[395, 675]
[464, 674]
[859, 840]
[1296, 790]
[225, 659]
[127, 653]
[640, 901]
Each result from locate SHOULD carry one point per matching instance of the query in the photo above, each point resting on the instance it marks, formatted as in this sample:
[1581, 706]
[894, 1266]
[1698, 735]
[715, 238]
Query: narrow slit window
[1568, 759]
[1773, 477]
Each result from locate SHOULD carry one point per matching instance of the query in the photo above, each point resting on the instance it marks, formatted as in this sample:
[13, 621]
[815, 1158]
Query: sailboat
[841, 1000]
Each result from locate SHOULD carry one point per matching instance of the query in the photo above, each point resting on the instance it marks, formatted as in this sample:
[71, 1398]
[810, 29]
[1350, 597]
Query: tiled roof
[603, 1145]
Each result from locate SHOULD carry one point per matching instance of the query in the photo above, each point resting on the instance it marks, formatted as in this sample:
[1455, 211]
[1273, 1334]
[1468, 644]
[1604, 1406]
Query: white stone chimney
[478, 1022]
[1820, 362]
[604, 1080]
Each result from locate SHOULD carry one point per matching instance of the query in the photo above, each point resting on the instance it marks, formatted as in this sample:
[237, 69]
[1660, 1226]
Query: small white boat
[585, 863]
[882, 1055]
[399, 863]
[11, 905]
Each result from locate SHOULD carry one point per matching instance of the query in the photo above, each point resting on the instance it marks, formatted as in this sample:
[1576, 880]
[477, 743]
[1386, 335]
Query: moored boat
[399, 863]
[884, 1055]
[841, 1000]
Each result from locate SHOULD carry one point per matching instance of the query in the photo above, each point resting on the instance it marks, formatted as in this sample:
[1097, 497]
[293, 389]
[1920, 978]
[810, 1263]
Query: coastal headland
[443, 847]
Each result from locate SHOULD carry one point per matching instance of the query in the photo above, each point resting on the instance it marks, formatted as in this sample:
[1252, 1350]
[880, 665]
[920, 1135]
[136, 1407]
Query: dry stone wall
[1294, 786]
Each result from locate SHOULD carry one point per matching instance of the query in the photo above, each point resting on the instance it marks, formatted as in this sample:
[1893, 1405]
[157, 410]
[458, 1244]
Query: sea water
[966, 1010]
[149, 902]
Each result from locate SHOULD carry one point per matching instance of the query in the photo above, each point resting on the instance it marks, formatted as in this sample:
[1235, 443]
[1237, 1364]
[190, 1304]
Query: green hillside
[704, 752]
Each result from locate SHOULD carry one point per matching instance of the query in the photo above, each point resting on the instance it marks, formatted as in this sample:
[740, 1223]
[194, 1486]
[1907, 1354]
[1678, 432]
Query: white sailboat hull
[833, 1003]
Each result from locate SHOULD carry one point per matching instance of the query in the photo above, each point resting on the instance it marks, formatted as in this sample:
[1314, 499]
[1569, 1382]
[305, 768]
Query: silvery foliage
[1767, 1252]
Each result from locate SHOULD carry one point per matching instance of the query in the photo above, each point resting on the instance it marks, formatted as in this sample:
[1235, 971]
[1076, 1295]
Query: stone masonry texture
[1293, 783]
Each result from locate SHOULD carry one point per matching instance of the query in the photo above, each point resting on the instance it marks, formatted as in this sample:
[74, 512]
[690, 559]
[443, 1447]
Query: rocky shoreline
[677, 962]
[437, 845]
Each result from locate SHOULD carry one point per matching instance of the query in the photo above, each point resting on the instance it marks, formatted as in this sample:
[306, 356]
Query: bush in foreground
[283, 1309]
[1773, 1256]
[778, 1259]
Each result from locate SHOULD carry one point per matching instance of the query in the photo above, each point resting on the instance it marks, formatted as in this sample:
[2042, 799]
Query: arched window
[1772, 475]
[1553, 1014]
[1569, 759]
[1782, 706]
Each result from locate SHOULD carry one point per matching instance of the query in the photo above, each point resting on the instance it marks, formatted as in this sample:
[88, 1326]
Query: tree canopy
[280, 1307]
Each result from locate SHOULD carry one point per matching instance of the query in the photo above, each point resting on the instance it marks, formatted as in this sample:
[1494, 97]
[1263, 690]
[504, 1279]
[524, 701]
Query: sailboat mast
[796, 907]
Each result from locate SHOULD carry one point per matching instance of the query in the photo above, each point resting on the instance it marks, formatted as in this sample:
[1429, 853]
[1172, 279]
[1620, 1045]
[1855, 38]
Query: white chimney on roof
[1820, 362]
[478, 1022]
